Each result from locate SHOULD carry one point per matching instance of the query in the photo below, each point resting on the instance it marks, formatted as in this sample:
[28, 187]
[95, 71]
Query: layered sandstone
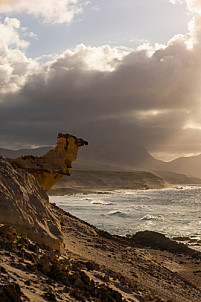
[55, 164]
[25, 205]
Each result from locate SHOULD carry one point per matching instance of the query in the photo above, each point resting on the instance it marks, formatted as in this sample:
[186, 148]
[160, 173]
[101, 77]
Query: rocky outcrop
[56, 163]
[157, 240]
[45, 276]
[25, 205]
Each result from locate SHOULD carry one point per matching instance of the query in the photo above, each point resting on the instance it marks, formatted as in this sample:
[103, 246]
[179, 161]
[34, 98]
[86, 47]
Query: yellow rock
[55, 164]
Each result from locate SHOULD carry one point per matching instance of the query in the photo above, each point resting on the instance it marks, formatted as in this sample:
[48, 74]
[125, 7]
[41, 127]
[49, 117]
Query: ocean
[175, 212]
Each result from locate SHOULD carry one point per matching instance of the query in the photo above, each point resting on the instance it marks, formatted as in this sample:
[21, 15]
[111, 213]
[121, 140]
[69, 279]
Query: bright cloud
[15, 67]
[103, 58]
[50, 11]
[9, 30]
[194, 4]
[176, 1]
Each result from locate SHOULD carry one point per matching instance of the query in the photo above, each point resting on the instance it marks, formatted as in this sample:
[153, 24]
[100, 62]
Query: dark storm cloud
[152, 99]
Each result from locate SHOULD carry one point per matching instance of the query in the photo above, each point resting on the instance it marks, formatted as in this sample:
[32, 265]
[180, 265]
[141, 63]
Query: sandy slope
[152, 274]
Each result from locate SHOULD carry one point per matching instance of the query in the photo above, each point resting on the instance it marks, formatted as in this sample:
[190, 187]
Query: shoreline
[81, 191]
[191, 239]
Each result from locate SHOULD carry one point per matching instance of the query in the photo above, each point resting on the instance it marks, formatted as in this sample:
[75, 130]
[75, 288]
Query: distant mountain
[177, 178]
[188, 165]
[17, 153]
[123, 156]
[129, 156]
[111, 154]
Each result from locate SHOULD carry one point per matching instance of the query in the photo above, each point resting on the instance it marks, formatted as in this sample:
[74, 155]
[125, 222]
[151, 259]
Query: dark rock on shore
[159, 241]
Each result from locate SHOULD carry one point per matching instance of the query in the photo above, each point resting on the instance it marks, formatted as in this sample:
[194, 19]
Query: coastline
[106, 181]
[86, 191]
[106, 208]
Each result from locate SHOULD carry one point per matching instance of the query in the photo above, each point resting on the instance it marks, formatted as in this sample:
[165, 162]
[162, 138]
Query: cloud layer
[50, 11]
[149, 96]
[194, 4]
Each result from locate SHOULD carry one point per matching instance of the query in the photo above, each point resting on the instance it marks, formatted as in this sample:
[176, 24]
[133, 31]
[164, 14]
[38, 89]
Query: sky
[118, 70]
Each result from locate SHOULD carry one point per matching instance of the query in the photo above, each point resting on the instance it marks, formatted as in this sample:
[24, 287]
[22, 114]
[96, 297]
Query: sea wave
[151, 217]
[118, 213]
[105, 203]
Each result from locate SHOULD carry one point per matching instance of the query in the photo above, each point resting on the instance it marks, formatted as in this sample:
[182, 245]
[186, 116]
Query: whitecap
[149, 217]
[117, 213]
[105, 203]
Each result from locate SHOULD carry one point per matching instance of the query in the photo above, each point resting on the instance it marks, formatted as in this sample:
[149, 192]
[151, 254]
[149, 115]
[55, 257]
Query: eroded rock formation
[56, 163]
[25, 205]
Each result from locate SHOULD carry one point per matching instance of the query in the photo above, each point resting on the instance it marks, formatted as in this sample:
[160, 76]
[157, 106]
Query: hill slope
[120, 154]
[17, 153]
[189, 165]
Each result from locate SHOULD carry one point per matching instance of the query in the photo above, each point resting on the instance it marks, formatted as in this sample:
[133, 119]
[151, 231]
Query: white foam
[149, 217]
